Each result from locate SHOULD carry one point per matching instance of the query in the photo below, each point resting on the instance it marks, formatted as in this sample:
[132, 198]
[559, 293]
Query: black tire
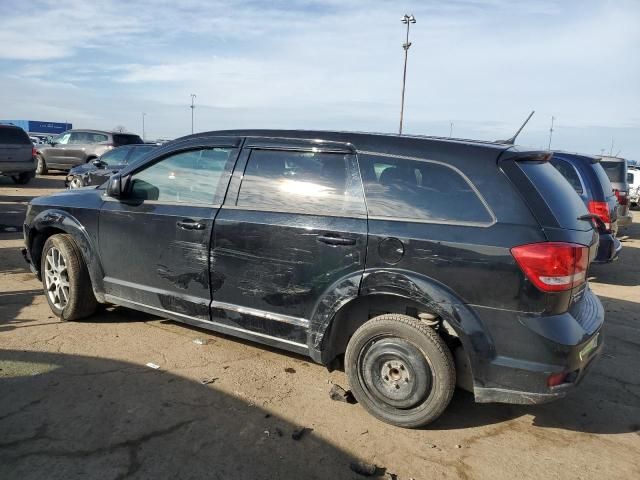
[22, 178]
[400, 370]
[41, 165]
[80, 301]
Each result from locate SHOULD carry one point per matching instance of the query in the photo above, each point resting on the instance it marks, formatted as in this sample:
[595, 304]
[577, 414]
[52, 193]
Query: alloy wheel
[56, 278]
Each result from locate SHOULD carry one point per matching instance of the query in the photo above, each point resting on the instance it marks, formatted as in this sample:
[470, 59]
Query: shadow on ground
[65, 416]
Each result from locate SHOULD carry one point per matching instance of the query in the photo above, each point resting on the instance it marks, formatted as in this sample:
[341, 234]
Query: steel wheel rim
[395, 372]
[56, 278]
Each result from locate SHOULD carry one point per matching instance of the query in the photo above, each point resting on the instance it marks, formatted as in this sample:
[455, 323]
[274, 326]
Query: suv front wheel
[65, 278]
[400, 370]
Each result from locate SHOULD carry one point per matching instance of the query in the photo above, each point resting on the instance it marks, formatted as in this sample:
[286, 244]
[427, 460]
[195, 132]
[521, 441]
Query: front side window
[78, 138]
[63, 139]
[301, 182]
[195, 176]
[569, 172]
[421, 190]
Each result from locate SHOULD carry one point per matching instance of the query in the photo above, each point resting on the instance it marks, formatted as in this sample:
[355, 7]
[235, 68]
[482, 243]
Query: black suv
[414, 262]
[16, 154]
[590, 181]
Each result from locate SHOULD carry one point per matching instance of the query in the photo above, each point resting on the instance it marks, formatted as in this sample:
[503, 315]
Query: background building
[36, 126]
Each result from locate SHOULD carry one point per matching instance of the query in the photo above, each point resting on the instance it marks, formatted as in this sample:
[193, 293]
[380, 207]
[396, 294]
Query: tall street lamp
[143, 136]
[407, 20]
[193, 106]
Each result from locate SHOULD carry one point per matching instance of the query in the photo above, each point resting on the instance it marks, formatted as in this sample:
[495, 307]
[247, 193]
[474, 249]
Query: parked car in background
[76, 147]
[16, 154]
[589, 180]
[633, 179]
[98, 171]
[415, 262]
[616, 169]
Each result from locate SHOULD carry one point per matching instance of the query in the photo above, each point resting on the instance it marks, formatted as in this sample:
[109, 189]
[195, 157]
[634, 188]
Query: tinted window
[569, 172]
[614, 170]
[115, 157]
[196, 176]
[139, 152]
[301, 182]
[421, 190]
[629, 177]
[125, 139]
[562, 200]
[604, 180]
[14, 135]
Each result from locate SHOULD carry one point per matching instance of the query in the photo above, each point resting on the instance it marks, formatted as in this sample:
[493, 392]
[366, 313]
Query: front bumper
[537, 348]
[16, 168]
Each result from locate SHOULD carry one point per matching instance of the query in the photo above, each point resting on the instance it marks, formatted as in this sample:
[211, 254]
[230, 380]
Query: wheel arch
[52, 221]
[394, 291]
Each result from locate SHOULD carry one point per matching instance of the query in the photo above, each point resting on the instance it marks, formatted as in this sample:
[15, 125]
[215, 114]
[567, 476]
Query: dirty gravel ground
[77, 401]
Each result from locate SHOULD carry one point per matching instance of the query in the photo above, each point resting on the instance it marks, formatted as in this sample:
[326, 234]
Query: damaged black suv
[415, 263]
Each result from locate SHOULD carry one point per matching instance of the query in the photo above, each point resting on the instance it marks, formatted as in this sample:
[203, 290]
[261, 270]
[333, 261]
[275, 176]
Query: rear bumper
[15, 168]
[608, 248]
[536, 347]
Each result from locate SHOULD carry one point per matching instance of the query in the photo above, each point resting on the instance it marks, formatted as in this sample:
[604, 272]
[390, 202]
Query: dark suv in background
[16, 154]
[75, 147]
[589, 180]
[616, 169]
[416, 263]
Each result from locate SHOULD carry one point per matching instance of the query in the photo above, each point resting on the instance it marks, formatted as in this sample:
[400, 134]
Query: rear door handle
[188, 224]
[336, 240]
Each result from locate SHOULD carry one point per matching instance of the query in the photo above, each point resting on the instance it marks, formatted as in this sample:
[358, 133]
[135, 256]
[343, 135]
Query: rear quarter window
[569, 172]
[421, 190]
[14, 136]
[126, 139]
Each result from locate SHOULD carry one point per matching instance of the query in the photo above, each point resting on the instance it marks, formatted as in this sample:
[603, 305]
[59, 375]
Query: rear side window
[125, 139]
[569, 172]
[14, 136]
[420, 190]
[301, 182]
[614, 170]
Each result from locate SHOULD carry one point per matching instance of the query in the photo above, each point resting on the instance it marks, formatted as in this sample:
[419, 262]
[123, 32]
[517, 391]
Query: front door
[295, 231]
[154, 243]
[55, 154]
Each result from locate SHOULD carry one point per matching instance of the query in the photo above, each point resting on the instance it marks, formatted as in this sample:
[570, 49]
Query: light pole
[143, 136]
[193, 106]
[551, 131]
[407, 20]
[450, 129]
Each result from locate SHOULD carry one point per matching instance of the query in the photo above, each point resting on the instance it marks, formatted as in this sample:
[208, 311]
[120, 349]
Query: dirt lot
[78, 401]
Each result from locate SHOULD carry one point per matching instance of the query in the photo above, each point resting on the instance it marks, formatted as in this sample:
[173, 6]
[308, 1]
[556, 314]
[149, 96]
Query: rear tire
[65, 278]
[400, 370]
[41, 165]
[22, 178]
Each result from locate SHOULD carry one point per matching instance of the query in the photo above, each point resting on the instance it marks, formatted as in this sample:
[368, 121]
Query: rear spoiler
[525, 156]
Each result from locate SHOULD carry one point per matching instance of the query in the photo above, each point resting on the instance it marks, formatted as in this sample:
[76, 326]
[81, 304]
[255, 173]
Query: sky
[481, 65]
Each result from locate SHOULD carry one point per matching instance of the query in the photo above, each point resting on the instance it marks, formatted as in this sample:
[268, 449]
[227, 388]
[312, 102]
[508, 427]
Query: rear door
[295, 228]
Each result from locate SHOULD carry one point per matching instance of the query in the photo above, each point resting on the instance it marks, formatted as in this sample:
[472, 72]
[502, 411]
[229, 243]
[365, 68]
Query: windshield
[115, 157]
[139, 152]
[615, 170]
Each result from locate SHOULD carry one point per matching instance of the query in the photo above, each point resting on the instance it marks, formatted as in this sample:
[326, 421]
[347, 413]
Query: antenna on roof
[512, 140]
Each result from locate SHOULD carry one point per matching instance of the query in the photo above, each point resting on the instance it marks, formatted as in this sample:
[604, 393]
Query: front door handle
[188, 224]
[331, 240]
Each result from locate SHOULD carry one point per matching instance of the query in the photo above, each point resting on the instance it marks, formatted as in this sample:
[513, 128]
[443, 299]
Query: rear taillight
[621, 196]
[553, 266]
[33, 151]
[601, 209]
[556, 379]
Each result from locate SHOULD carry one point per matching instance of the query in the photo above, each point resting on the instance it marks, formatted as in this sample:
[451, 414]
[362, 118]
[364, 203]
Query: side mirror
[98, 163]
[114, 187]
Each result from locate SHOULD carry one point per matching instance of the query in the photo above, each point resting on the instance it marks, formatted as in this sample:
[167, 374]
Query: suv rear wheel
[400, 370]
[41, 165]
[65, 278]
